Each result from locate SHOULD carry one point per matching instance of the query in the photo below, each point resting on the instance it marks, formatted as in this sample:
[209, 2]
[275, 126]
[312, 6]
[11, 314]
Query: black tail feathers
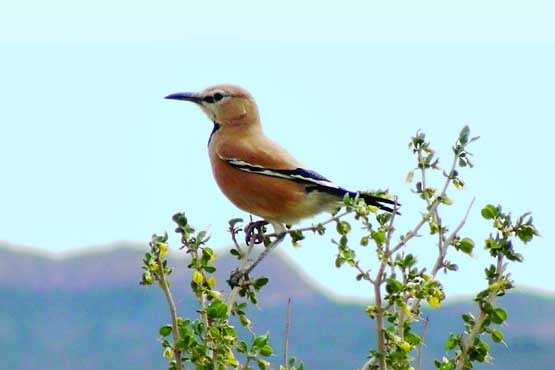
[372, 200]
[382, 203]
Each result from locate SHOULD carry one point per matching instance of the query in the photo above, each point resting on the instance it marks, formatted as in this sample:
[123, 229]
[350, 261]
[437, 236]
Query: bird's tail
[381, 203]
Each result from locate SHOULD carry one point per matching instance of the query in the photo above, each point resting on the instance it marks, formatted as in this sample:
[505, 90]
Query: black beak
[185, 96]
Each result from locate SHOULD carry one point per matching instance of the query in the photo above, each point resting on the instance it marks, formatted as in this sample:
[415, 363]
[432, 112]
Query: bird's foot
[255, 231]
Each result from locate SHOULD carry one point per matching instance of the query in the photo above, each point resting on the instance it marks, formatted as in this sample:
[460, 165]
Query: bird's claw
[254, 232]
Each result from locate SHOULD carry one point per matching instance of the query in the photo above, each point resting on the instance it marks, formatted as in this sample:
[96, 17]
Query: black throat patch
[216, 127]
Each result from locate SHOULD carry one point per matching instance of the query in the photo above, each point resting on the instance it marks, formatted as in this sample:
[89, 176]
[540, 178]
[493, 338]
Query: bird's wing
[298, 174]
[269, 159]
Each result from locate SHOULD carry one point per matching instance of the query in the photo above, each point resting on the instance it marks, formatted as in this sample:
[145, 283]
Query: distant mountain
[87, 311]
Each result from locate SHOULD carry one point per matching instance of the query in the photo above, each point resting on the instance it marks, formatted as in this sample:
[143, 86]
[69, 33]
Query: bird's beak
[185, 96]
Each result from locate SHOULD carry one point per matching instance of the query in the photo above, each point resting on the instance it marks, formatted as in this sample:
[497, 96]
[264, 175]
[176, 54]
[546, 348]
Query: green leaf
[526, 232]
[339, 261]
[379, 237]
[413, 338]
[466, 245]
[266, 350]
[207, 253]
[263, 364]
[252, 297]
[261, 340]
[347, 200]
[217, 310]
[210, 269]
[498, 315]
[479, 350]
[165, 330]
[464, 134]
[489, 212]
[468, 318]
[343, 227]
[446, 200]
[242, 347]
[450, 266]
[444, 364]
[244, 320]
[497, 336]
[260, 282]
[393, 286]
[451, 342]
[180, 219]
[512, 256]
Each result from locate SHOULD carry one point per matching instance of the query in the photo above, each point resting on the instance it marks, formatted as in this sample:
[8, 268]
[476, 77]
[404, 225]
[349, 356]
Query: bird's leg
[239, 274]
[254, 229]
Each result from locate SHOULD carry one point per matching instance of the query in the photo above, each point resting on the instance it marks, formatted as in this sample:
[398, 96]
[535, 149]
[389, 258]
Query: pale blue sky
[92, 153]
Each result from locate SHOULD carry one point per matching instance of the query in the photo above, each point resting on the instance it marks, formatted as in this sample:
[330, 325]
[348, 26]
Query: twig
[420, 350]
[173, 313]
[440, 260]
[244, 262]
[365, 275]
[286, 338]
[264, 253]
[408, 236]
[423, 176]
[467, 343]
[390, 227]
[313, 227]
[441, 244]
[461, 224]
[379, 314]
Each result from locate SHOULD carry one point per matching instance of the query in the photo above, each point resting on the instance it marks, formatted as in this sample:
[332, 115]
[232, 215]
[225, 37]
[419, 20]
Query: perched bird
[254, 172]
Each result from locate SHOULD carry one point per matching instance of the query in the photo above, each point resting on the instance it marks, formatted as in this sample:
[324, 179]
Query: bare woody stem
[173, 313]
[286, 336]
[245, 255]
[378, 281]
[380, 316]
[420, 350]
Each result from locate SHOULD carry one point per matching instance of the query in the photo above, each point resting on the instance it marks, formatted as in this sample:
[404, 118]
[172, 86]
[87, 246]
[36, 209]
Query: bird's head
[225, 104]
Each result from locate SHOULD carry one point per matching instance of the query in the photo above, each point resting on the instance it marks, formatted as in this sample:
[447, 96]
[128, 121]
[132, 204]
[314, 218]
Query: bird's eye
[218, 96]
[209, 99]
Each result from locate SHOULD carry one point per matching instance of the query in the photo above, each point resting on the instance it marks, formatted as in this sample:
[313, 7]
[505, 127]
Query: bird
[254, 172]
